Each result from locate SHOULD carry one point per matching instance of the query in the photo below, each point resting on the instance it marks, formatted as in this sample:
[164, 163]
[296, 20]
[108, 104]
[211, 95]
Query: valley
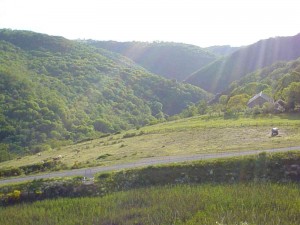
[148, 133]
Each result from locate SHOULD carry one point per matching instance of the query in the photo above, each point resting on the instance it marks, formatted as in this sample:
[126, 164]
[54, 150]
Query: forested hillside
[222, 50]
[170, 60]
[219, 74]
[54, 90]
[280, 81]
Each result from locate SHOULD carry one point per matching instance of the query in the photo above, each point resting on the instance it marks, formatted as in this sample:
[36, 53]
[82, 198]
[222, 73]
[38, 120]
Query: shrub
[8, 172]
[129, 135]
[40, 148]
[104, 156]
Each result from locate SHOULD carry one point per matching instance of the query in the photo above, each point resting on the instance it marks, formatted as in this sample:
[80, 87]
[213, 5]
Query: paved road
[89, 172]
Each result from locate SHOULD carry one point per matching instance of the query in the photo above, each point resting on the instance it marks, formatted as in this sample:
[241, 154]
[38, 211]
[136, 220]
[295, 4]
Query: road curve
[89, 172]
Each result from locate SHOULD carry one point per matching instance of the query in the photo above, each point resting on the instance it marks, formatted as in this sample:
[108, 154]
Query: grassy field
[218, 199]
[195, 135]
[180, 205]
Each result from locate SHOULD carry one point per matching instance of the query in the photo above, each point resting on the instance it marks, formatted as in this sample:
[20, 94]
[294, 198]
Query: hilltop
[167, 59]
[222, 50]
[218, 75]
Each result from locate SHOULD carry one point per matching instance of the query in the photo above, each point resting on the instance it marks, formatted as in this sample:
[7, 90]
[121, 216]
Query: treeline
[54, 91]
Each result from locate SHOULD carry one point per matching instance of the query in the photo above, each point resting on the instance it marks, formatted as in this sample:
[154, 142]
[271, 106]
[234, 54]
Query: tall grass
[204, 204]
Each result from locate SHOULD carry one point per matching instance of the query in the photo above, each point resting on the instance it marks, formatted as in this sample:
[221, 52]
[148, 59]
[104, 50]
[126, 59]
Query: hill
[216, 76]
[186, 138]
[280, 80]
[170, 60]
[222, 50]
[54, 90]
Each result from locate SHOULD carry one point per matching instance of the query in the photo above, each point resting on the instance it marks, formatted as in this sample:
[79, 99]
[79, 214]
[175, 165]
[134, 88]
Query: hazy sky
[200, 22]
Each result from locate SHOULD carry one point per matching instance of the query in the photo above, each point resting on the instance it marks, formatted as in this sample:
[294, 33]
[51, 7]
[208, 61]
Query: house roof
[261, 95]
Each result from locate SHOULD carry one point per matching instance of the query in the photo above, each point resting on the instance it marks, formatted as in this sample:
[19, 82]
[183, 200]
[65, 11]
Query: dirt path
[89, 172]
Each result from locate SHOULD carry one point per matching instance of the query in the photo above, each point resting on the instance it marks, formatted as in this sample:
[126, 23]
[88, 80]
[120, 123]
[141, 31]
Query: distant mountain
[222, 50]
[170, 60]
[53, 89]
[216, 76]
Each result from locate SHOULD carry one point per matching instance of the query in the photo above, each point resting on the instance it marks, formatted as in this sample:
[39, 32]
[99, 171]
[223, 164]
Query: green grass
[181, 205]
[254, 189]
[197, 135]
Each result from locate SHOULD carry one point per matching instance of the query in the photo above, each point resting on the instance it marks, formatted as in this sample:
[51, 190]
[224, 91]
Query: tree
[102, 126]
[156, 108]
[223, 99]
[238, 102]
[4, 154]
[292, 95]
[222, 102]
[202, 107]
[268, 107]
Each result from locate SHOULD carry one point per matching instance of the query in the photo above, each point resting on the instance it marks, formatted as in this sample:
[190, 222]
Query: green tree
[202, 107]
[292, 95]
[4, 153]
[223, 99]
[102, 126]
[223, 102]
[156, 108]
[238, 103]
[268, 107]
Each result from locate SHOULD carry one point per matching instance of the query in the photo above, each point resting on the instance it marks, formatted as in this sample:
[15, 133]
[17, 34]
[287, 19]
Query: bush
[40, 148]
[129, 135]
[230, 114]
[4, 153]
[260, 168]
[103, 126]
[103, 156]
[9, 172]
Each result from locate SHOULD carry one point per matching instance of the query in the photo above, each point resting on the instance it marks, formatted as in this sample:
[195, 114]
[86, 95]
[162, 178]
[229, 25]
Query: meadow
[240, 204]
[196, 135]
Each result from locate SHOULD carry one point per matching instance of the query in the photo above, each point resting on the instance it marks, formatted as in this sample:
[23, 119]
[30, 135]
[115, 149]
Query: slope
[170, 60]
[280, 80]
[180, 140]
[219, 74]
[222, 50]
[54, 90]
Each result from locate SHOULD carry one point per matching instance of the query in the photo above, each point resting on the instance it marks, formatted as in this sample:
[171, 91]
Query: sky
[199, 22]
